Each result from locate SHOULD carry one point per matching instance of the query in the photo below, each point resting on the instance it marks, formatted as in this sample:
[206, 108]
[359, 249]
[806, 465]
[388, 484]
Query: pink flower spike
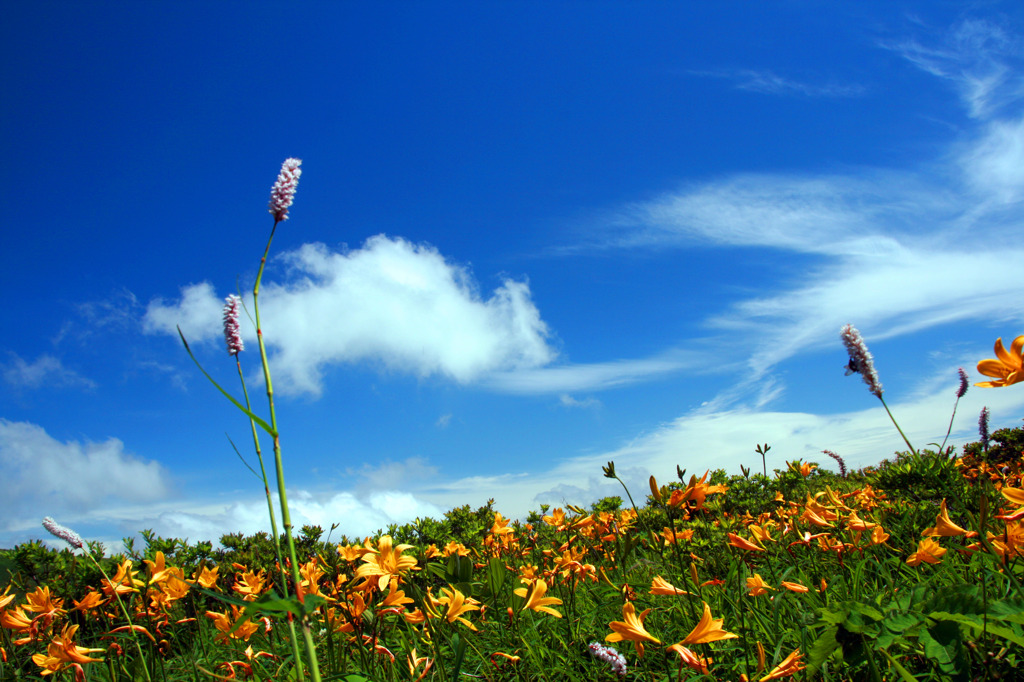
[232, 332]
[66, 534]
[283, 193]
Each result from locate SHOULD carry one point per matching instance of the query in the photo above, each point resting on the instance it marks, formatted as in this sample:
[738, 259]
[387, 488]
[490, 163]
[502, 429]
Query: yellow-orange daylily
[854, 522]
[1014, 496]
[415, 662]
[385, 562]
[224, 623]
[62, 652]
[789, 667]
[535, 599]
[6, 598]
[396, 598]
[1007, 368]
[41, 601]
[454, 604]
[691, 660]
[707, 630]
[928, 551]
[737, 541]
[207, 577]
[758, 586]
[794, 587]
[662, 587]
[124, 581]
[631, 628]
[944, 527]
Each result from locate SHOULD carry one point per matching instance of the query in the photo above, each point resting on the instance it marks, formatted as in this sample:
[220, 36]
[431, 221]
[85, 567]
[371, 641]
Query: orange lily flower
[535, 599]
[631, 628]
[789, 667]
[691, 660]
[224, 623]
[944, 527]
[707, 630]
[1016, 496]
[794, 587]
[415, 662]
[758, 586]
[1007, 368]
[386, 562]
[854, 522]
[928, 551]
[662, 587]
[41, 601]
[395, 597]
[740, 543]
[124, 581]
[207, 578]
[878, 535]
[6, 598]
[455, 604]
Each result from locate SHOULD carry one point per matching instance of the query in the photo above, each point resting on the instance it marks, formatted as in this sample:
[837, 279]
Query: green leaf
[262, 424]
[904, 673]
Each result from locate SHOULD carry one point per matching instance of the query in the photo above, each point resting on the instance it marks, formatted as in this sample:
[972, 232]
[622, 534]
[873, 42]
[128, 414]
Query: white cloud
[978, 57]
[46, 370]
[770, 83]
[44, 476]
[393, 302]
[567, 400]
[443, 421]
[199, 314]
[994, 164]
[591, 377]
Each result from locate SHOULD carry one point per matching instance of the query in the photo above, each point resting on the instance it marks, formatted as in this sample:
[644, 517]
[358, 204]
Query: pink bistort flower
[861, 360]
[66, 534]
[232, 332]
[283, 193]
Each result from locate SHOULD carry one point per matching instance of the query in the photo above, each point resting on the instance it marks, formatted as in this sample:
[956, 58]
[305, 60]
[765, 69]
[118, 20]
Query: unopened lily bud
[655, 491]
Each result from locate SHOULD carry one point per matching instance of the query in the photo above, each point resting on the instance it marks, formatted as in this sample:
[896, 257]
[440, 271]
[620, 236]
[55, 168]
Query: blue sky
[529, 238]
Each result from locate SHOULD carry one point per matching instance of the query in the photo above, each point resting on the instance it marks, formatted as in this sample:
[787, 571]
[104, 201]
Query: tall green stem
[286, 518]
[273, 523]
[897, 425]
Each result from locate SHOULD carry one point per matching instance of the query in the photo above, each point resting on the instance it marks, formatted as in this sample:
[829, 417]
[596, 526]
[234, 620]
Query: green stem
[897, 425]
[286, 518]
[131, 628]
[273, 522]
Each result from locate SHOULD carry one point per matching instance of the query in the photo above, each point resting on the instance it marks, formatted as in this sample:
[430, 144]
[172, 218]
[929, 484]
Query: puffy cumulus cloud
[392, 302]
[45, 371]
[198, 312]
[45, 476]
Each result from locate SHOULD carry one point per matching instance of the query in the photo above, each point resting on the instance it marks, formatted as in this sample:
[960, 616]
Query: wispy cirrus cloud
[768, 82]
[982, 59]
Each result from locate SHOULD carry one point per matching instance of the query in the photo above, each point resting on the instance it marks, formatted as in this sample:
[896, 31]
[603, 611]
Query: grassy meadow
[898, 572]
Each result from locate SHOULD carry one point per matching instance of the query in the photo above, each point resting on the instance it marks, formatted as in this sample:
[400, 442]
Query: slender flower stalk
[863, 363]
[961, 391]
[839, 460]
[232, 334]
[983, 428]
[281, 197]
[75, 540]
